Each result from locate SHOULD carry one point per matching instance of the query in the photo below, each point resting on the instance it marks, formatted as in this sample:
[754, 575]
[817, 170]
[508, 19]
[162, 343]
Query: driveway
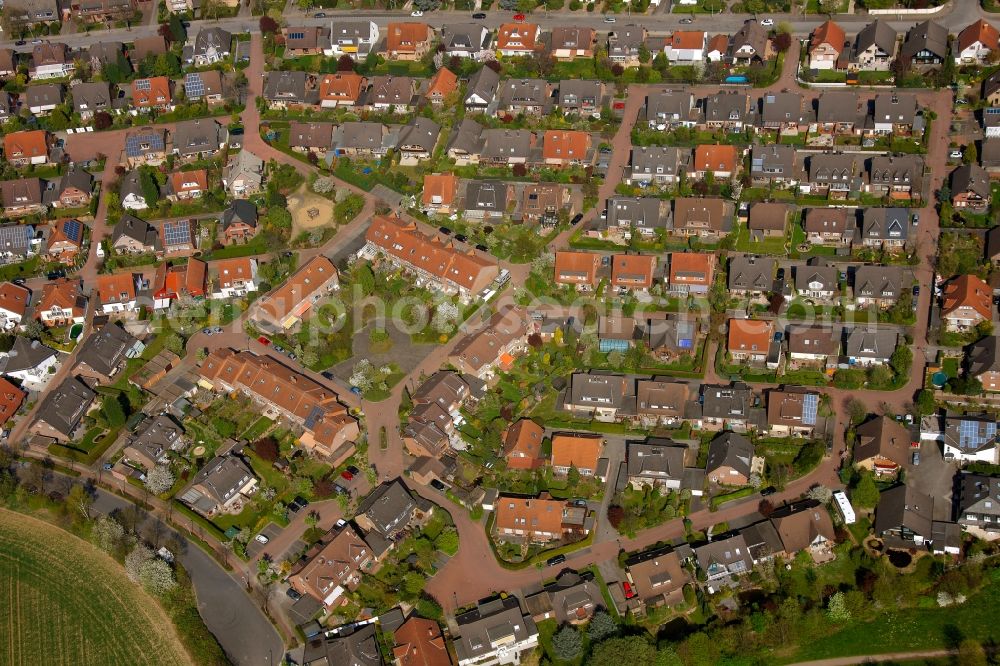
[933, 476]
[254, 547]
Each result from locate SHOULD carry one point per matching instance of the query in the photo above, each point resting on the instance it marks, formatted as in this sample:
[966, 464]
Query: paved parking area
[933, 476]
[254, 547]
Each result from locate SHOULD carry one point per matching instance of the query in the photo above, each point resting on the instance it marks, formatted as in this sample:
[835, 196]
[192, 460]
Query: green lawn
[256, 245]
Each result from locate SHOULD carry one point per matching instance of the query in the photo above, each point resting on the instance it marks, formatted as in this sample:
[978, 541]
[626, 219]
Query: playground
[309, 211]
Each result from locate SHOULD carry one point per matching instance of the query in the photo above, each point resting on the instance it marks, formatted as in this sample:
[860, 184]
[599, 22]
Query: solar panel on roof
[810, 405]
[176, 233]
[141, 84]
[72, 228]
[194, 86]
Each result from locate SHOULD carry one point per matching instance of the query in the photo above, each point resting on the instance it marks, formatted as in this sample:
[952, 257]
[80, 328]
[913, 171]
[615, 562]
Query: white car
[767, 22]
[261, 538]
[610, 19]
[416, 12]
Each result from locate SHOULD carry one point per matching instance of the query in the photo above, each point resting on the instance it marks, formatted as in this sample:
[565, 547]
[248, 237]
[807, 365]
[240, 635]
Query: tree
[856, 410]
[971, 154]
[267, 448]
[150, 190]
[970, 653]
[616, 515]
[107, 533]
[567, 643]
[925, 402]
[836, 608]
[134, 561]
[365, 277]
[821, 494]
[102, 120]
[601, 626]
[633, 650]
[345, 63]
[159, 479]
[79, 501]
[157, 576]
[174, 343]
[268, 26]
[177, 30]
[34, 329]
[865, 493]
[782, 42]
[113, 412]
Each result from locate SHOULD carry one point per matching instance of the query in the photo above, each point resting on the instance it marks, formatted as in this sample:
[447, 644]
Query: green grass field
[66, 602]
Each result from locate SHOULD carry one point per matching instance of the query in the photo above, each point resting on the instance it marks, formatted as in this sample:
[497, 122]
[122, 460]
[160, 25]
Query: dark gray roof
[984, 356]
[727, 107]
[217, 482]
[490, 624]
[626, 40]
[751, 272]
[209, 39]
[730, 449]
[64, 405]
[49, 94]
[25, 354]
[596, 389]
[389, 507]
[240, 210]
[575, 92]
[970, 178]
[136, 229]
[486, 195]
[669, 105]
[814, 339]
[106, 52]
[896, 108]
[897, 170]
[773, 161]
[636, 212]
[360, 135]
[879, 33]
[311, 135]
[506, 144]
[782, 107]
[655, 161]
[825, 276]
[285, 86]
[727, 402]
[878, 281]
[465, 37]
[927, 36]
[989, 156]
[515, 93]
[162, 431]
[421, 133]
[105, 349]
[392, 90]
[877, 344]
[838, 107]
[752, 34]
[130, 185]
[203, 135]
[978, 493]
[76, 177]
[831, 168]
[484, 84]
[885, 224]
[467, 138]
[657, 458]
[904, 506]
[359, 648]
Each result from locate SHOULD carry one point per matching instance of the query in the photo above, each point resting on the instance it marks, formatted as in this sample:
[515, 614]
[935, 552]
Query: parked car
[628, 589]
[519, 17]
[279, 349]
[293, 594]
[445, 230]
[300, 501]
[340, 523]
[347, 475]
[770, 490]
[56, 274]
[915, 458]
[916, 290]
[319, 15]
[263, 340]
[437, 485]
[207, 331]
[482, 248]
[555, 559]
[353, 470]
[416, 13]
[355, 390]
[461, 238]
[767, 22]
[610, 19]
[687, 21]
[260, 538]
[576, 219]
[340, 490]
[479, 15]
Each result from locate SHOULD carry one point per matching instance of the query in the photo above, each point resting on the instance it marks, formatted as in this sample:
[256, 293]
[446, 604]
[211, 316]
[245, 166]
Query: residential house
[989, 158]
[805, 528]
[146, 145]
[728, 407]
[577, 269]
[354, 38]
[828, 47]
[773, 164]
[72, 190]
[904, 516]
[581, 97]
[341, 89]
[659, 463]
[768, 220]
[179, 237]
[899, 177]
[751, 44]
[662, 402]
[117, 292]
[65, 241]
[970, 188]
[357, 646]
[134, 236]
[582, 452]
[239, 221]
[670, 338]
[11, 399]
[723, 560]
[152, 440]
[18, 241]
[816, 281]
[391, 508]
[669, 109]
[466, 40]
[751, 275]
[443, 84]
[170, 283]
[495, 632]
[896, 113]
[784, 113]
[838, 113]
[539, 520]
[284, 308]
[874, 47]
[185, 185]
[131, 193]
[22, 197]
[926, 44]
[309, 137]
[507, 147]
[709, 217]
[30, 362]
[8, 62]
[813, 344]
[419, 642]
[152, 94]
[749, 340]
[104, 353]
[26, 147]
[975, 43]
[984, 362]
[221, 486]
[143, 47]
[691, 272]
[328, 431]
[440, 193]
[198, 139]
[495, 345]
[632, 272]
[625, 44]
[243, 175]
[598, 396]
[685, 47]
[61, 410]
[792, 412]
[50, 61]
[32, 13]
[886, 228]
[104, 11]
[834, 175]
[828, 226]
[727, 111]
[233, 278]
[561, 148]
[730, 460]
[971, 438]
[977, 502]
[866, 348]
[417, 140]
[306, 40]
[877, 285]
[394, 94]
[530, 97]
[522, 445]
[408, 40]
[542, 204]
[966, 302]
[8, 105]
[644, 215]
[435, 261]
[487, 199]
[572, 599]
[41, 100]
[14, 301]
[722, 161]
[718, 48]
[481, 92]
[518, 39]
[90, 98]
[211, 45]
[62, 303]
[333, 566]
[571, 43]
[657, 578]
[290, 90]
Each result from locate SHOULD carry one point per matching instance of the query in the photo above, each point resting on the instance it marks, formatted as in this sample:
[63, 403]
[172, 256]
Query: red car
[519, 18]
[629, 592]
[264, 341]
[346, 475]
